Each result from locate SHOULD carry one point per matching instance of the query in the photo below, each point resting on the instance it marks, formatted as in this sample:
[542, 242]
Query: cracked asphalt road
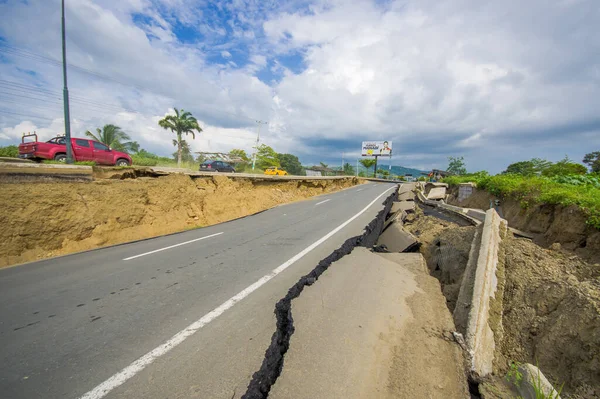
[69, 324]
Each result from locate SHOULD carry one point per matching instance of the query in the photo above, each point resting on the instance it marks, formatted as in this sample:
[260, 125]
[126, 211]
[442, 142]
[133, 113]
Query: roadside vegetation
[82, 163]
[10, 151]
[539, 181]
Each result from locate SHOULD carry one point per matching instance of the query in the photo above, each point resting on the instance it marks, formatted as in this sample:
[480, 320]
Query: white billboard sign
[376, 148]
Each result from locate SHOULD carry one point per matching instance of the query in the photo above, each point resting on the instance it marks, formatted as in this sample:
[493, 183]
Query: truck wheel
[122, 162]
[60, 157]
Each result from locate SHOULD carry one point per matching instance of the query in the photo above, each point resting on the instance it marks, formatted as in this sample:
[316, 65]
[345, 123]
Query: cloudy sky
[493, 81]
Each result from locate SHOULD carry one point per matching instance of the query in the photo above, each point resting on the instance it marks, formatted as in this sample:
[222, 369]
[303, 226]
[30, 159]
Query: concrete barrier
[478, 288]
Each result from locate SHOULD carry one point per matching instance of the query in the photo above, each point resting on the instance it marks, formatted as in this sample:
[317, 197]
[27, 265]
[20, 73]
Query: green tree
[290, 163]
[186, 152]
[134, 146]
[456, 165]
[349, 170]
[367, 163]
[201, 158]
[324, 165]
[593, 161]
[266, 157]
[524, 168]
[114, 137]
[565, 167]
[245, 159]
[10, 151]
[237, 153]
[533, 167]
[180, 123]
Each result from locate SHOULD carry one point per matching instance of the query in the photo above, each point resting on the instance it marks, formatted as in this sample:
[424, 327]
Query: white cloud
[438, 78]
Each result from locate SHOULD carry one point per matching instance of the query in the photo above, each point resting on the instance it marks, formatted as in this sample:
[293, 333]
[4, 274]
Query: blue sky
[439, 79]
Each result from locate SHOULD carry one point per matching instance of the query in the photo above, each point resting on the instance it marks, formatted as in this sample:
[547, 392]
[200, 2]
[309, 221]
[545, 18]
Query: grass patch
[583, 192]
[82, 163]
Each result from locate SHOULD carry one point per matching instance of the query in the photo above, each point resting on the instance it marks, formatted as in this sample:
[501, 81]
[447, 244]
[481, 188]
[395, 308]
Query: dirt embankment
[551, 315]
[550, 224]
[550, 305]
[40, 220]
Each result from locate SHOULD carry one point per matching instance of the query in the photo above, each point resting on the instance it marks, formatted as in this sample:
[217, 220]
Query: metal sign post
[66, 91]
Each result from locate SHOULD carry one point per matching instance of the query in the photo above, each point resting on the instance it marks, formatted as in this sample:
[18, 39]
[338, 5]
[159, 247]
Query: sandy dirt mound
[40, 220]
[552, 316]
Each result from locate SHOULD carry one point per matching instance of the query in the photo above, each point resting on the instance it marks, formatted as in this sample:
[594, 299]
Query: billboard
[379, 148]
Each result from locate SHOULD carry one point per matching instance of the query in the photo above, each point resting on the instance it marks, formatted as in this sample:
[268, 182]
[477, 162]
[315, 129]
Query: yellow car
[275, 171]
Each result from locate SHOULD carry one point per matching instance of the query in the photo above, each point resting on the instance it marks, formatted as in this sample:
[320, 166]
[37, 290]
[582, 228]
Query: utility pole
[342, 162]
[356, 167]
[66, 91]
[257, 141]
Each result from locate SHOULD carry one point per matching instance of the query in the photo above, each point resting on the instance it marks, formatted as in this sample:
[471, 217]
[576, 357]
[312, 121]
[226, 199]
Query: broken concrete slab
[431, 184]
[353, 329]
[396, 239]
[406, 206]
[406, 187]
[533, 382]
[437, 193]
[406, 196]
[410, 261]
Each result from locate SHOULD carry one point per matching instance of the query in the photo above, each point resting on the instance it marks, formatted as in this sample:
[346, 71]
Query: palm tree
[367, 163]
[181, 122]
[114, 137]
[186, 151]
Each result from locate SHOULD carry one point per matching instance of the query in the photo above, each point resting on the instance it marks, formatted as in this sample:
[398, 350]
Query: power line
[3, 111]
[54, 95]
[26, 54]
[54, 100]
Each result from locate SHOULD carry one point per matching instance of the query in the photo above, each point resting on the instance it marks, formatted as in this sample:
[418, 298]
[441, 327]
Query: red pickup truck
[83, 150]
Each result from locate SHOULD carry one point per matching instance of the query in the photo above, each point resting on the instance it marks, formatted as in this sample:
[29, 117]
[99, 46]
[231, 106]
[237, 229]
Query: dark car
[216, 166]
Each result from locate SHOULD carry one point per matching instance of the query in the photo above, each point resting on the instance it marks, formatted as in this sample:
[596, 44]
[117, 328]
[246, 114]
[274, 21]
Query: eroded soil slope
[551, 305]
[40, 220]
[552, 315]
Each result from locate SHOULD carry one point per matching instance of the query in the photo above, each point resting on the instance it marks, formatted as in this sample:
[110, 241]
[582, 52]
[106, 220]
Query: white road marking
[128, 372]
[322, 202]
[173, 246]
[360, 189]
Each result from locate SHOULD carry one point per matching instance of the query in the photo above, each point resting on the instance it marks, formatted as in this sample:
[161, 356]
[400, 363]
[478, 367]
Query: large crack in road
[272, 365]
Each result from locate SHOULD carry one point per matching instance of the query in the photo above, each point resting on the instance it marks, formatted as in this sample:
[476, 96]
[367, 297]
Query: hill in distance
[396, 170]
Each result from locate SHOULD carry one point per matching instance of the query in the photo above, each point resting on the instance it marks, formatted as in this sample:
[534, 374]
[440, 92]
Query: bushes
[11, 151]
[141, 161]
[80, 163]
[583, 191]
